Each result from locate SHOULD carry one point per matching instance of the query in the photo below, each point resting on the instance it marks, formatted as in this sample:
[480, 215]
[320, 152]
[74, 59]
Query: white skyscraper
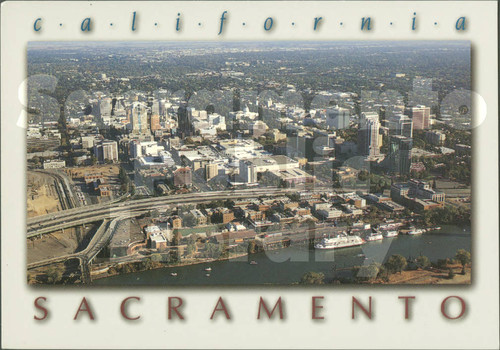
[139, 116]
[337, 117]
[368, 135]
[105, 106]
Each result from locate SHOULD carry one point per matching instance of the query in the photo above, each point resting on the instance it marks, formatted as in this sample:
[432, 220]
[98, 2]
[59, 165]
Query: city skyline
[200, 153]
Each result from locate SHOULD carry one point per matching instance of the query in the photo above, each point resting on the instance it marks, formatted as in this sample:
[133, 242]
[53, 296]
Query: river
[286, 266]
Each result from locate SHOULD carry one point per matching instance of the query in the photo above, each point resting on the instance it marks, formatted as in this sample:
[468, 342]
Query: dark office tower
[305, 145]
[96, 109]
[183, 121]
[163, 110]
[400, 154]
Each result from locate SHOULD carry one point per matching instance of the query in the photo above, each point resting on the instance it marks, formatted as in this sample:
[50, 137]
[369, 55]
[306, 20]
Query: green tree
[396, 263]
[192, 238]
[423, 262]
[383, 273]
[124, 180]
[368, 272]
[174, 256]
[213, 250]
[463, 256]
[251, 247]
[148, 264]
[312, 278]
[223, 251]
[442, 263]
[156, 257]
[363, 175]
[191, 248]
[177, 238]
[189, 220]
[54, 275]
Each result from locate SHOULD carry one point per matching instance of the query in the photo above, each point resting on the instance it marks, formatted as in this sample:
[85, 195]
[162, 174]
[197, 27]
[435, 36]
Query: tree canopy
[396, 263]
[313, 278]
[463, 256]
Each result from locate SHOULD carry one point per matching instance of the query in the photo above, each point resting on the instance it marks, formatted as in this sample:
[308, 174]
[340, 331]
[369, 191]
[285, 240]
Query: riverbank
[105, 272]
[434, 276]
[286, 266]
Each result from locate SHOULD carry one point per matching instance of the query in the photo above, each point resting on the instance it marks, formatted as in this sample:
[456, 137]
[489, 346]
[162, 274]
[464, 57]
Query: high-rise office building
[368, 135]
[400, 154]
[402, 125]
[155, 107]
[184, 122]
[211, 171]
[106, 150]
[301, 145]
[105, 107]
[158, 107]
[337, 117]
[139, 116]
[420, 116]
[135, 149]
[248, 171]
[155, 122]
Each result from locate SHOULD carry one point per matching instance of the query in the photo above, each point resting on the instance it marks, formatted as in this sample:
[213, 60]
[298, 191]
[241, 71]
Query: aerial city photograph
[248, 163]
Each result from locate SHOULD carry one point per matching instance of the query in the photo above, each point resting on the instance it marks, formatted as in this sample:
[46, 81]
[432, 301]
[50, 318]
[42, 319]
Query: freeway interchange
[112, 212]
[79, 216]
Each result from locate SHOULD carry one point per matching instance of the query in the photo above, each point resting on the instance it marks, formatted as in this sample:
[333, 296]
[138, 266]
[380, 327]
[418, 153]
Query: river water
[286, 266]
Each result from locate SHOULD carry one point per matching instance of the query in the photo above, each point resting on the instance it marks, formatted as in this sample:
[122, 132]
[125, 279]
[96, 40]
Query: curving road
[98, 241]
[62, 186]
